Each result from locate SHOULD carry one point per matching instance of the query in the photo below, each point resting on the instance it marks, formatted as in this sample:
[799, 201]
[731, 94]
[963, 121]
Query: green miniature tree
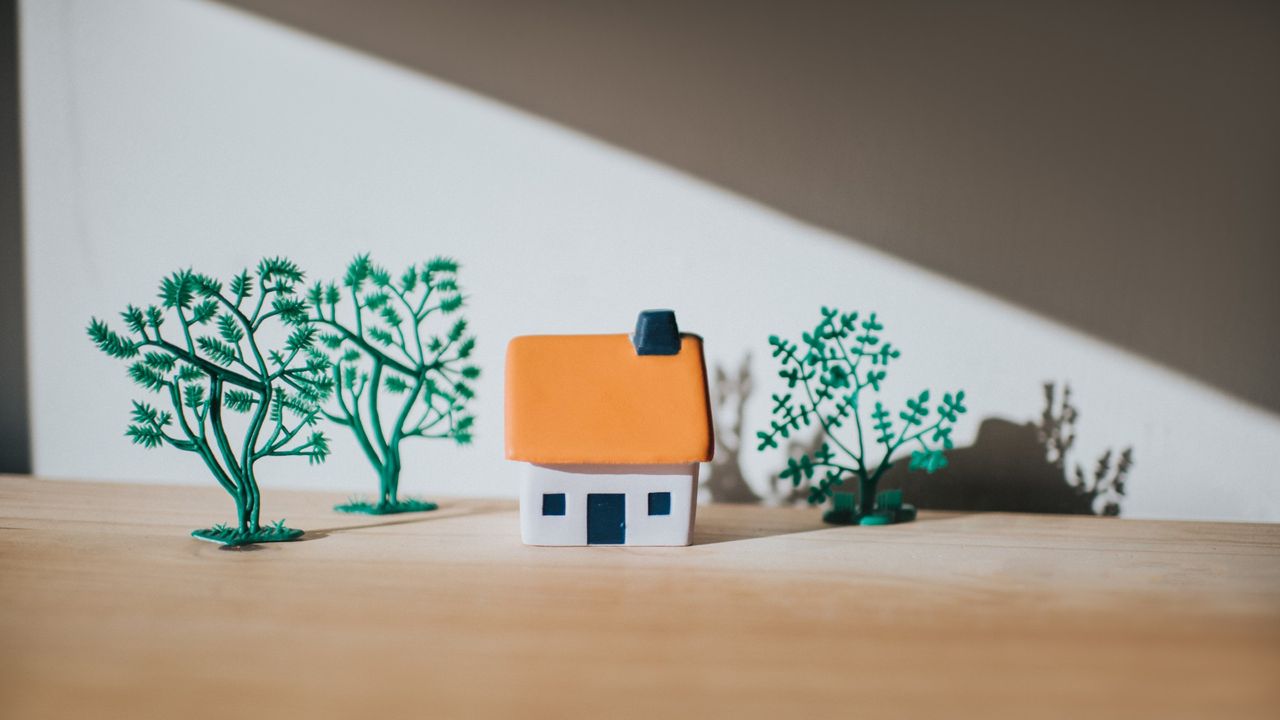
[387, 361]
[214, 360]
[841, 358]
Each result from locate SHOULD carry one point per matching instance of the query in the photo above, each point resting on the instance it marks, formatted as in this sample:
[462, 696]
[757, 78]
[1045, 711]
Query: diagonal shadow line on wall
[1109, 167]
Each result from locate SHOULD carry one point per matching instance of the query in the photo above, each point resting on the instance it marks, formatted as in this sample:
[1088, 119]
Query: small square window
[660, 503]
[553, 503]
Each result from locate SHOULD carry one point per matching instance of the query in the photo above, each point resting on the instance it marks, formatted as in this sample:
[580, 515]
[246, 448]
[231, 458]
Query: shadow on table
[714, 530]
[717, 524]
[376, 521]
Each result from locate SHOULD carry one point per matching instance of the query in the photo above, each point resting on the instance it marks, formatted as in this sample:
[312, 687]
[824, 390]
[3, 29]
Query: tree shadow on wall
[1010, 467]
[729, 394]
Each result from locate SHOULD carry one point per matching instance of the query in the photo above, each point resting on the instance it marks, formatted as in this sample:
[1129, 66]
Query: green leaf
[459, 327]
[318, 362]
[357, 272]
[161, 361]
[147, 377]
[376, 300]
[292, 310]
[133, 319]
[409, 279]
[188, 373]
[798, 470]
[178, 290]
[301, 339]
[193, 396]
[240, 401]
[301, 406]
[450, 303]
[205, 286]
[242, 286]
[470, 372]
[395, 384]
[466, 348]
[277, 406]
[144, 413]
[281, 270]
[230, 330]
[318, 388]
[351, 355]
[943, 435]
[217, 351]
[109, 342]
[391, 317]
[204, 311]
[155, 317]
[319, 448]
[380, 335]
[442, 264]
[147, 436]
[928, 460]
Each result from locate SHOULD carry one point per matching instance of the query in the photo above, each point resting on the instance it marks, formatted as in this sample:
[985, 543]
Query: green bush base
[903, 514]
[383, 508]
[234, 537]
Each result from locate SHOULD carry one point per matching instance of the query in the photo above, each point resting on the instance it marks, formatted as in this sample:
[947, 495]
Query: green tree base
[386, 508]
[234, 537]
[906, 513]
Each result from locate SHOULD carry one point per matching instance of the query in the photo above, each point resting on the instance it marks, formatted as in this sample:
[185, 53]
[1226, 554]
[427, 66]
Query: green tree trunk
[255, 501]
[389, 478]
[244, 512]
[867, 495]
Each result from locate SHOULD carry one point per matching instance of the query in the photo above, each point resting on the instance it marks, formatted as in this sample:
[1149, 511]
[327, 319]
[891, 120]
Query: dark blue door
[606, 519]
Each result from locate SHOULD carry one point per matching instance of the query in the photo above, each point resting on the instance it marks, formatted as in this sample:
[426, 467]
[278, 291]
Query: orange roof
[591, 399]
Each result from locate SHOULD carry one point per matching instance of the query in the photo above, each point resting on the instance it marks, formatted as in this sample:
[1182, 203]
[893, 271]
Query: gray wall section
[1114, 166]
[15, 445]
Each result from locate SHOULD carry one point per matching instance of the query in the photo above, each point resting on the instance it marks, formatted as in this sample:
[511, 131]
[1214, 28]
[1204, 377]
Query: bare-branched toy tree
[395, 380]
[214, 359]
[842, 358]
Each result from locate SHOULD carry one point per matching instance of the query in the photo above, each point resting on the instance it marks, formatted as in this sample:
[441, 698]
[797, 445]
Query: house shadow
[720, 523]
[1004, 470]
[1021, 467]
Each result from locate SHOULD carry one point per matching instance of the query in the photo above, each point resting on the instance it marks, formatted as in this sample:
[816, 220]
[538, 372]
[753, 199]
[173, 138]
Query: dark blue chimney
[656, 333]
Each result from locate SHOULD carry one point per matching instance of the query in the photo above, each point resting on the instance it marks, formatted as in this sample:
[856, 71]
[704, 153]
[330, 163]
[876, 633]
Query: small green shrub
[215, 359]
[828, 373]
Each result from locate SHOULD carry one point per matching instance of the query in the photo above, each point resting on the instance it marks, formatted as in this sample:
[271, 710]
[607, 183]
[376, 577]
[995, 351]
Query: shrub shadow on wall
[1010, 467]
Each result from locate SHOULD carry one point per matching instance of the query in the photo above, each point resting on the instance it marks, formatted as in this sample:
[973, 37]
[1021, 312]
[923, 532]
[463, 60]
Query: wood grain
[109, 610]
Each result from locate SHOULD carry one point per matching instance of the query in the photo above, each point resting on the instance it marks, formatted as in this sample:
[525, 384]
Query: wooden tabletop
[109, 610]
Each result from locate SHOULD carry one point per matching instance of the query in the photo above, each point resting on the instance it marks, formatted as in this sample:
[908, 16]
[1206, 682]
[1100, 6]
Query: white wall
[162, 134]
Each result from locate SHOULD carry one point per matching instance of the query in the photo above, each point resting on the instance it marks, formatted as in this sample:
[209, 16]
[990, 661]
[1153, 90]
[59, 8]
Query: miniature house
[610, 429]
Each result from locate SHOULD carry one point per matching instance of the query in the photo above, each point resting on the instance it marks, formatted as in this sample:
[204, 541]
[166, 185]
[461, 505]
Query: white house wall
[633, 481]
[165, 134]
